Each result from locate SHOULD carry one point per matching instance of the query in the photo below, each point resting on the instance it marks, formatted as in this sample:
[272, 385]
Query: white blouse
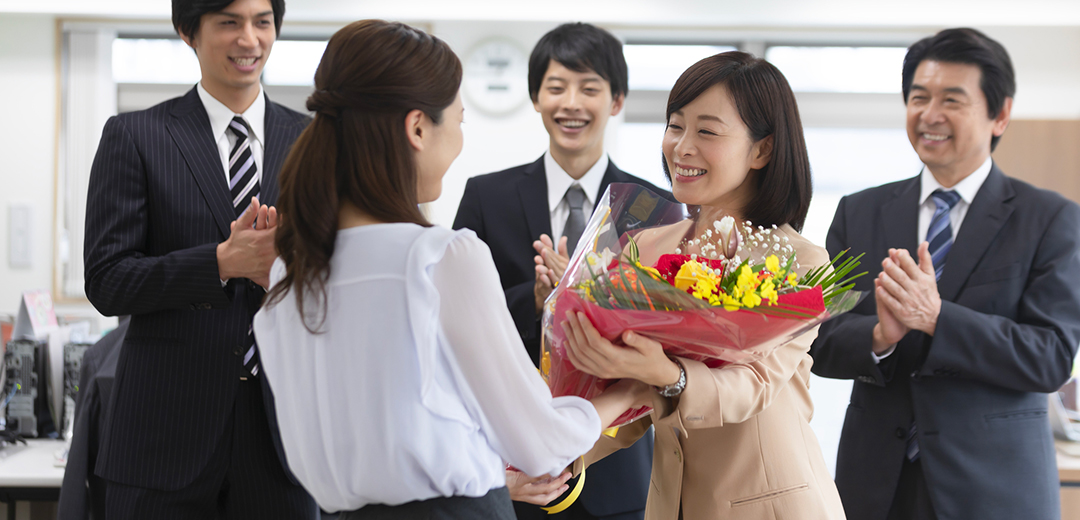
[418, 385]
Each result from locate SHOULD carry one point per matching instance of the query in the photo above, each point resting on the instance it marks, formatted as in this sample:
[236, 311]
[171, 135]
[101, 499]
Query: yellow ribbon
[571, 498]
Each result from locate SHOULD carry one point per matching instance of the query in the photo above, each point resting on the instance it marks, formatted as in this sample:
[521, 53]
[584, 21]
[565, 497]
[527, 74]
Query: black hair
[767, 106]
[579, 47]
[970, 47]
[186, 14]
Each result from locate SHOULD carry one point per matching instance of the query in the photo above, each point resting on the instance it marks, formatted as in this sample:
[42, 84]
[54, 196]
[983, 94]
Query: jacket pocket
[769, 495]
[1005, 418]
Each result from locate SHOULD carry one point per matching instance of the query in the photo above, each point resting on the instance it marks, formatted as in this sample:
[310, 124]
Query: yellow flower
[751, 300]
[689, 273]
[746, 281]
[730, 303]
[772, 264]
[652, 271]
[768, 291]
[792, 279]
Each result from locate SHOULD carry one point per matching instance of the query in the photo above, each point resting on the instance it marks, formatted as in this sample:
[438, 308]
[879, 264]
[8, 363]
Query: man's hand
[249, 251]
[888, 331]
[546, 256]
[908, 289]
[545, 283]
[540, 490]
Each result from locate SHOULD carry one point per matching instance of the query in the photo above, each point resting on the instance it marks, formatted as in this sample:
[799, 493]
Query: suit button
[901, 433]
[238, 350]
[865, 379]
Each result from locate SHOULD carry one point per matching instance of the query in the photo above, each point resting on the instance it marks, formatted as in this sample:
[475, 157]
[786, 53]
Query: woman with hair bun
[402, 388]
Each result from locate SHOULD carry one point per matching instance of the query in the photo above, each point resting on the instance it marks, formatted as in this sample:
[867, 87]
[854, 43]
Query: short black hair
[186, 14]
[971, 47]
[767, 106]
[579, 47]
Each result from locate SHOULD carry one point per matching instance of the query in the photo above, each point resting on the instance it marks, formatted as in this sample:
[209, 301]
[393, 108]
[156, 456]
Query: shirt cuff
[877, 358]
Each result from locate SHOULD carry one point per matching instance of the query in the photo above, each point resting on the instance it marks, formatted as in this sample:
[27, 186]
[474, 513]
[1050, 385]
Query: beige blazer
[737, 443]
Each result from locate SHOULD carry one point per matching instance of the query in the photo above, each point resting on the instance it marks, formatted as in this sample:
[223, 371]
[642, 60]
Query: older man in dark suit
[975, 313]
[176, 238]
[577, 80]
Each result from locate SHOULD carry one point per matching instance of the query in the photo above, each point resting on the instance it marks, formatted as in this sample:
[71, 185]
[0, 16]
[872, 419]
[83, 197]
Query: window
[840, 69]
[656, 67]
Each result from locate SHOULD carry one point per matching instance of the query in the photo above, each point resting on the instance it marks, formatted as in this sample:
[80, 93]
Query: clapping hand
[546, 256]
[550, 267]
[907, 290]
[249, 250]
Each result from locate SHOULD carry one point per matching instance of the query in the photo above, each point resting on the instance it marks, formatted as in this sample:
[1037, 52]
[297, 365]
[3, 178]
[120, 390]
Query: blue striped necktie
[244, 184]
[243, 175]
[940, 236]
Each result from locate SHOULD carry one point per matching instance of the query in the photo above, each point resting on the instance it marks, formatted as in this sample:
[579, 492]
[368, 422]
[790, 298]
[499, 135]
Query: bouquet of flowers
[728, 295]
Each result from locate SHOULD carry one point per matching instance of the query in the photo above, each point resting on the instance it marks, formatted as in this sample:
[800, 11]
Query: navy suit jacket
[158, 206]
[1007, 334]
[508, 210]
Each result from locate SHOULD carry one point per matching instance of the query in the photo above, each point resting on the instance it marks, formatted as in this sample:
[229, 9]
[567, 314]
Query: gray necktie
[575, 223]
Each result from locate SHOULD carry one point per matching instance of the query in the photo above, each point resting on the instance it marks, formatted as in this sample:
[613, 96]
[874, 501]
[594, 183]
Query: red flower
[669, 265]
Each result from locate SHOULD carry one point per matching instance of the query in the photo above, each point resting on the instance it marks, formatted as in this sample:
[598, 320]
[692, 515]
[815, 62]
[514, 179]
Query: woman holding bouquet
[731, 442]
[401, 385]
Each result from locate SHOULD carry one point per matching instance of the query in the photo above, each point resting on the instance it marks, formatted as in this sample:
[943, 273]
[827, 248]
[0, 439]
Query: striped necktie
[244, 184]
[940, 236]
[243, 175]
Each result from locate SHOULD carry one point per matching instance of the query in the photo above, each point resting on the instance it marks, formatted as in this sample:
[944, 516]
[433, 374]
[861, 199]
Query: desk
[28, 473]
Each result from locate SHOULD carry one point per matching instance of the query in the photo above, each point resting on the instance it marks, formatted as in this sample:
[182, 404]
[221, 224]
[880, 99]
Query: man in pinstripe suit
[176, 238]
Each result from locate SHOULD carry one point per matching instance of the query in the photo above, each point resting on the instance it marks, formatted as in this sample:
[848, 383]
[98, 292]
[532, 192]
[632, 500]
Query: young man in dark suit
[974, 316]
[176, 237]
[577, 81]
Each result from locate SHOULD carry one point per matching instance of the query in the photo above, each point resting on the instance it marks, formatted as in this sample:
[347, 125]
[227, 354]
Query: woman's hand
[642, 358]
[540, 490]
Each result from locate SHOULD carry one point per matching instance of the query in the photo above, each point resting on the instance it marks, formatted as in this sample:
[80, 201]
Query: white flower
[678, 250]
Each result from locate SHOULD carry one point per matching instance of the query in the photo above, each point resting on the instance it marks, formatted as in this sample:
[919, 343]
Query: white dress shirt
[221, 115]
[966, 189]
[558, 181]
[418, 385]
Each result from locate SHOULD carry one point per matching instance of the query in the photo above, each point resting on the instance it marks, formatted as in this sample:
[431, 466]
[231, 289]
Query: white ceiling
[688, 13]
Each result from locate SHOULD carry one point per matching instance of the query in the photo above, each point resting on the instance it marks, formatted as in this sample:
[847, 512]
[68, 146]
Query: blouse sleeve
[735, 393]
[527, 427]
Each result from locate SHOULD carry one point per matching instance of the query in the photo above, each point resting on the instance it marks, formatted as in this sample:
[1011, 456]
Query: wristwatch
[676, 388]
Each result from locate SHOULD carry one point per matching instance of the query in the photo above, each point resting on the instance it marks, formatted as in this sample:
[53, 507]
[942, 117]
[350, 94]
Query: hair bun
[326, 102]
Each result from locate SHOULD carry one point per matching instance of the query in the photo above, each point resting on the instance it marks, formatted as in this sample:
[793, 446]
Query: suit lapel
[279, 137]
[190, 130]
[985, 217]
[532, 189]
[901, 217]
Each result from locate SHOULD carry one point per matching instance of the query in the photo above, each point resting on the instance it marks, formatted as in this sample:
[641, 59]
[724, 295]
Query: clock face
[497, 77]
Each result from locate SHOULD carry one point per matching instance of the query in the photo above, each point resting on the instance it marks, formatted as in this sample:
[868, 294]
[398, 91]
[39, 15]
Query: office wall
[27, 146]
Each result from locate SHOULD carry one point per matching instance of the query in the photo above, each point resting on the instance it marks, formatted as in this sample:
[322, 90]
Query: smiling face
[442, 144]
[710, 155]
[233, 45]
[575, 107]
[947, 119]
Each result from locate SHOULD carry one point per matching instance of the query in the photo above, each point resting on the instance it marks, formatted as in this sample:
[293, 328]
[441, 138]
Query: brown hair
[371, 76]
[767, 106]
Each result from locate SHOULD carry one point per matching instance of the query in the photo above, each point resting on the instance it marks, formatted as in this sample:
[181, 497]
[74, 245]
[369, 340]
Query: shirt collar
[966, 188]
[220, 115]
[558, 181]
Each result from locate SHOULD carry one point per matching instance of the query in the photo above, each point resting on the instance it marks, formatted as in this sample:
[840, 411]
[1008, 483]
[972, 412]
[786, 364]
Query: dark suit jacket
[158, 206]
[1007, 334]
[508, 210]
[82, 495]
